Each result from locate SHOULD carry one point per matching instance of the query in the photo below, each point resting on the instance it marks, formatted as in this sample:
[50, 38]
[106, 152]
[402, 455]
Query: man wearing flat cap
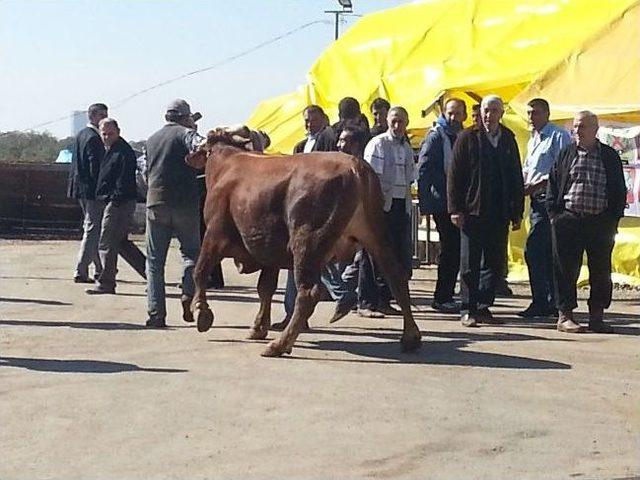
[172, 208]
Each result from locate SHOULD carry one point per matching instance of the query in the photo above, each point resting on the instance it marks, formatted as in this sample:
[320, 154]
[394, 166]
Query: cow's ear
[197, 159]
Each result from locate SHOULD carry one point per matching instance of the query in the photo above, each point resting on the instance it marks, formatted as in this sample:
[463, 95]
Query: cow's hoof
[258, 333]
[274, 349]
[410, 343]
[204, 318]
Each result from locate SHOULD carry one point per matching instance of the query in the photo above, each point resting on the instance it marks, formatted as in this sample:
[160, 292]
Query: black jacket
[117, 179]
[326, 142]
[464, 178]
[87, 153]
[558, 184]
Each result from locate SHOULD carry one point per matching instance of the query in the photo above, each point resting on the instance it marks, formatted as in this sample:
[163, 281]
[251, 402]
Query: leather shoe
[280, 326]
[187, 316]
[367, 313]
[567, 324]
[154, 322]
[343, 308]
[533, 311]
[446, 307]
[485, 316]
[387, 309]
[600, 327]
[100, 291]
[81, 279]
[469, 320]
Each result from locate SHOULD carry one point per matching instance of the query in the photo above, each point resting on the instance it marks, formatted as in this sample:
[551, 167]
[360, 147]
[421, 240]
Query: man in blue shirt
[543, 148]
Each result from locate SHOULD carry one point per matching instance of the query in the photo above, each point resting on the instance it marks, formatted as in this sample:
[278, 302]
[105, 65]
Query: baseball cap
[179, 107]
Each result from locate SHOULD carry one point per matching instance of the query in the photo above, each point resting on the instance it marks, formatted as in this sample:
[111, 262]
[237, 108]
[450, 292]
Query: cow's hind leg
[309, 294]
[209, 256]
[375, 243]
[266, 288]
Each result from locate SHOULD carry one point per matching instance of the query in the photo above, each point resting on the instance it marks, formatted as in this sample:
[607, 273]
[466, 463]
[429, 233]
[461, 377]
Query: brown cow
[284, 211]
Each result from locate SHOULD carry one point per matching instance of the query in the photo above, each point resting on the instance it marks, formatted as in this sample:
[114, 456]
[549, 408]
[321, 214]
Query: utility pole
[347, 7]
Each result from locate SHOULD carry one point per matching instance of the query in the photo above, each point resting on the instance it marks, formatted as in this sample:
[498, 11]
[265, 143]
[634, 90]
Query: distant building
[79, 120]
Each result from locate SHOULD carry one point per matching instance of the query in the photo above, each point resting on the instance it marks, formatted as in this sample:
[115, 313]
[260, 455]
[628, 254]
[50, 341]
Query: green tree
[30, 147]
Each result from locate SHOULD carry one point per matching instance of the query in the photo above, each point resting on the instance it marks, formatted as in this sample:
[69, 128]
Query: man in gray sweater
[172, 208]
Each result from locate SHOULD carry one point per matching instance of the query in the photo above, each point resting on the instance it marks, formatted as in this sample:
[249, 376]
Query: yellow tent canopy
[576, 53]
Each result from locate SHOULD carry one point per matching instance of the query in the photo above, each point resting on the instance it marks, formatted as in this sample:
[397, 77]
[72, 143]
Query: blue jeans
[164, 222]
[538, 255]
[331, 278]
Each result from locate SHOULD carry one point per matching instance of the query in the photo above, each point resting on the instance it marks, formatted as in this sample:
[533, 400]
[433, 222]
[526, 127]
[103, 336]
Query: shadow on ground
[448, 350]
[33, 300]
[78, 366]
[87, 325]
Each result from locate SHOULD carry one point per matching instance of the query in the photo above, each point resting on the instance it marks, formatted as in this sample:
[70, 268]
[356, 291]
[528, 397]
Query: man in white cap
[172, 208]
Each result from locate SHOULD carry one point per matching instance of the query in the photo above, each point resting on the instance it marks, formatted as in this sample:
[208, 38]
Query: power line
[219, 64]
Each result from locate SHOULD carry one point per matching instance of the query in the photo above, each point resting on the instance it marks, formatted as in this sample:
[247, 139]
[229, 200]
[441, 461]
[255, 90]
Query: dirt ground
[86, 392]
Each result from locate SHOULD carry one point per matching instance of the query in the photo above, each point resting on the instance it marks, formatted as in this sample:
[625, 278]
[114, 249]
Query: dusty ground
[86, 392]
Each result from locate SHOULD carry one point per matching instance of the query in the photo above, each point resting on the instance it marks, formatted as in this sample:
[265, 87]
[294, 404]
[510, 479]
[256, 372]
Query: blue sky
[59, 56]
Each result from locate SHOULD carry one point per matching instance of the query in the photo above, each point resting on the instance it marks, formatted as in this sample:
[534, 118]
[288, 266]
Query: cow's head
[239, 137]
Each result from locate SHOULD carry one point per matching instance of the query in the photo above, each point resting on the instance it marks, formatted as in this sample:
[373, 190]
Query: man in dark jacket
[434, 160]
[485, 193]
[116, 186]
[320, 137]
[379, 110]
[172, 208]
[586, 197]
[349, 113]
[86, 155]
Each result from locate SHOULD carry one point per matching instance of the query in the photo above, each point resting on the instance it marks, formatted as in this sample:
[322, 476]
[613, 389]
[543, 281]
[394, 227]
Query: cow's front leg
[266, 288]
[209, 256]
[306, 300]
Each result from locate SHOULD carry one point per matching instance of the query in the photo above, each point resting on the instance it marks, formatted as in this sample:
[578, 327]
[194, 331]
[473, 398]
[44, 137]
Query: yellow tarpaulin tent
[413, 54]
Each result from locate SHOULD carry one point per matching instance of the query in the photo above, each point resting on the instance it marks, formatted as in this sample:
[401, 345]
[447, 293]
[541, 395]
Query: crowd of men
[470, 181]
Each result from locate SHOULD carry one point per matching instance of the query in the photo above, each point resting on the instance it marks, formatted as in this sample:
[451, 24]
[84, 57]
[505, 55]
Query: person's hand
[528, 189]
[458, 220]
[516, 224]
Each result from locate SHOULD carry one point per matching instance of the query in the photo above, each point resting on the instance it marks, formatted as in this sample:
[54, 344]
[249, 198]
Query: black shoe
[533, 311]
[600, 327]
[485, 316]
[156, 323]
[503, 290]
[187, 316]
[446, 307]
[343, 308]
[100, 291]
[280, 326]
[81, 279]
[387, 309]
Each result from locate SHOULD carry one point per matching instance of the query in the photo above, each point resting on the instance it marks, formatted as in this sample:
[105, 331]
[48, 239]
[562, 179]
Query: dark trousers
[481, 244]
[449, 260]
[369, 283]
[572, 235]
[372, 288]
[538, 256]
[116, 222]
